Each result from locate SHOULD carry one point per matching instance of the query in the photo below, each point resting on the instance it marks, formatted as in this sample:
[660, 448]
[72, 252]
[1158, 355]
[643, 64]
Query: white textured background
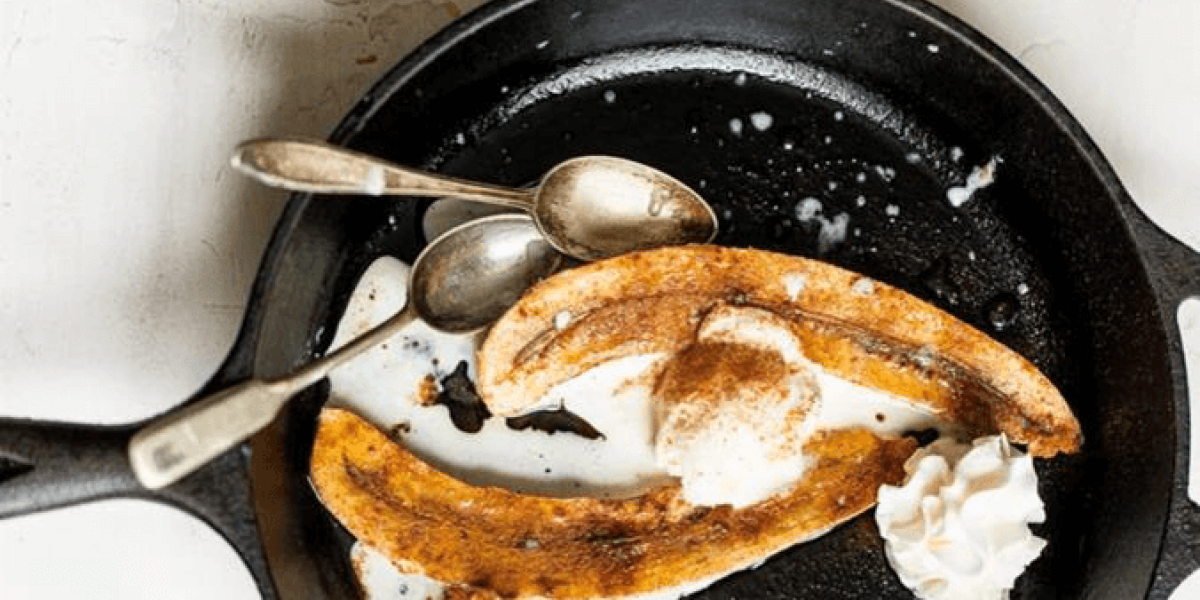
[127, 247]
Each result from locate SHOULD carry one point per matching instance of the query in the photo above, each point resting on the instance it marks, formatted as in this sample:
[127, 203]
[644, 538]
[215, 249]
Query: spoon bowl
[462, 282]
[589, 207]
[595, 207]
[466, 278]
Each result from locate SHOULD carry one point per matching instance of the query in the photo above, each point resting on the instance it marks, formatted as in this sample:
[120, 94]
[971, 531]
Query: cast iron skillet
[891, 101]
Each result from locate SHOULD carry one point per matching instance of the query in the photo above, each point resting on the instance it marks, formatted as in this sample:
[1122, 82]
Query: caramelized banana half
[489, 542]
[861, 330]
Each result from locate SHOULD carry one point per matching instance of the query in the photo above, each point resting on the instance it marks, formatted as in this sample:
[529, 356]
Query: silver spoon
[590, 207]
[460, 283]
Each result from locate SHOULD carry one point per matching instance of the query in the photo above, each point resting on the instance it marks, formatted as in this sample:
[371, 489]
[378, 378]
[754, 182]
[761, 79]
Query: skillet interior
[851, 88]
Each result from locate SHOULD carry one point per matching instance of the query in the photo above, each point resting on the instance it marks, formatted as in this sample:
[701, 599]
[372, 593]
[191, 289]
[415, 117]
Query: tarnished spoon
[462, 282]
[590, 207]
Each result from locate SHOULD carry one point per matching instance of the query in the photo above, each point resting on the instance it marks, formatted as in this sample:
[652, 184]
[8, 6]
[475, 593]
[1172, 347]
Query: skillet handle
[1174, 267]
[1174, 270]
[45, 465]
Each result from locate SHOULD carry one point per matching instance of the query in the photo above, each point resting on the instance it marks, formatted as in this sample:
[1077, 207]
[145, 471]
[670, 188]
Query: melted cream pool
[383, 386]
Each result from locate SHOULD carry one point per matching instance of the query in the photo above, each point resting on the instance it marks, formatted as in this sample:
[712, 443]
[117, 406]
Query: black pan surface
[874, 109]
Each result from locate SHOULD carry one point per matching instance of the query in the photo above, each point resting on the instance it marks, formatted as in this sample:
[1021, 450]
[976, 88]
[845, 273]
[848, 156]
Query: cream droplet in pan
[761, 120]
[979, 178]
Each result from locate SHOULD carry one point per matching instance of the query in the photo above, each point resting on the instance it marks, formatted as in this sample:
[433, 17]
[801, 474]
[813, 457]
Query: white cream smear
[616, 398]
[832, 231]
[379, 579]
[959, 526]
[980, 177]
[383, 386]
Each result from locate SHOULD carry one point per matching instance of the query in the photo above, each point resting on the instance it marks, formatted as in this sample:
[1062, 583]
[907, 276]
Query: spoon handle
[174, 445]
[312, 166]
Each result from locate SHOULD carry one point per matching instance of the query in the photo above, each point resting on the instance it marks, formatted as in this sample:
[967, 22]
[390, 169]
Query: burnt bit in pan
[555, 421]
[458, 395]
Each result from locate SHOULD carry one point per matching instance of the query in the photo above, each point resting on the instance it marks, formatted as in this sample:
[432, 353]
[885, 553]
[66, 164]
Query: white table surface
[127, 247]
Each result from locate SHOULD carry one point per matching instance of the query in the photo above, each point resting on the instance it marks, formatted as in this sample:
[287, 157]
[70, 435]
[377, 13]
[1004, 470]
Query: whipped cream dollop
[959, 526]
